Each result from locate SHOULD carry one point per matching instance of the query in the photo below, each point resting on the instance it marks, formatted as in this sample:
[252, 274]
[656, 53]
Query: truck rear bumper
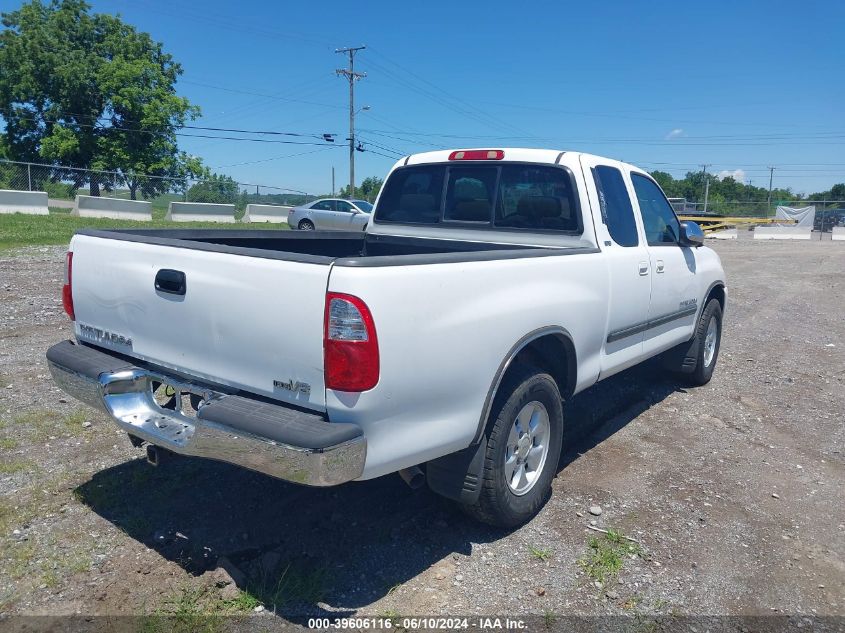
[279, 441]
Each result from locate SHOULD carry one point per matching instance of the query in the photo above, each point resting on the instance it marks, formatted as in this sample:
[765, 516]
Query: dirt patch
[732, 492]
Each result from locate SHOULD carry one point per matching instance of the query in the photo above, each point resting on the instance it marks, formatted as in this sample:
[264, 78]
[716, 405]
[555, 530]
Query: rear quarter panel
[444, 330]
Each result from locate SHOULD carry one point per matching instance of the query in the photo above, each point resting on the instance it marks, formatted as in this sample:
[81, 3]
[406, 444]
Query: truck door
[674, 286]
[618, 236]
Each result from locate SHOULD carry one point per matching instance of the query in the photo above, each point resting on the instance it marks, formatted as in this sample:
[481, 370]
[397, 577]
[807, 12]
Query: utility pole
[332, 181]
[769, 199]
[352, 77]
[706, 185]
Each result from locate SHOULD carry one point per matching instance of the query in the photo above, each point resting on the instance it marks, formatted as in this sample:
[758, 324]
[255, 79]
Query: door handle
[660, 266]
[643, 268]
[171, 281]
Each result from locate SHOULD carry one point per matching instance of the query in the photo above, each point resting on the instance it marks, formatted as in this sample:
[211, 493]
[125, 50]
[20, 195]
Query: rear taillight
[351, 358]
[477, 154]
[67, 289]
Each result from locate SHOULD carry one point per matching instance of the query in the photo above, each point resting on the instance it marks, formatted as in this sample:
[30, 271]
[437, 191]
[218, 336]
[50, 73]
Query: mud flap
[682, 358]
[458, 476]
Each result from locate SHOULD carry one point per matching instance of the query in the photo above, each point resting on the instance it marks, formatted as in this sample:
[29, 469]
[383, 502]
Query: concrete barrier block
[838, 233]
[266, 213]
[727, 234]
[782, 233]
[200, 212]
[113, 208]
[29, 202]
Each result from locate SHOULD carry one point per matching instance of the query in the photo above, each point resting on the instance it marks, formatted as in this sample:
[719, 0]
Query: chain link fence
[63, 184]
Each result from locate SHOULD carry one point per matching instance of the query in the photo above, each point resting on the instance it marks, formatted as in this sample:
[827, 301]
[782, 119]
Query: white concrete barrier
[29, 202]
[782, 233]
[113, 208]
[838, 233]
[266, 213]
[200, 212]
[727, 234]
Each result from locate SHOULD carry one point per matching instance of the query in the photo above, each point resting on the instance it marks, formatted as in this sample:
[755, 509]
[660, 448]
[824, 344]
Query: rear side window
[616, 209]
[413, 195]
[659, 219]
[536, 197]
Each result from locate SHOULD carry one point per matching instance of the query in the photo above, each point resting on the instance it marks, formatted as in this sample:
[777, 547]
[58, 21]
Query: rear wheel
[306, 225]
[524, 438]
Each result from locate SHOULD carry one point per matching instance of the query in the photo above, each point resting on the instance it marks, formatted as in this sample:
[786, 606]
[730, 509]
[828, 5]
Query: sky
[738, 86]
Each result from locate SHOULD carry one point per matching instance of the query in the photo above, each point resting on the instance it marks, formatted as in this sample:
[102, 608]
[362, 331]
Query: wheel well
[718, 293]
[555, 354]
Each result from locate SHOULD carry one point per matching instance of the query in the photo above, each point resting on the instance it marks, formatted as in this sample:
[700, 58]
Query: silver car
[331, 214]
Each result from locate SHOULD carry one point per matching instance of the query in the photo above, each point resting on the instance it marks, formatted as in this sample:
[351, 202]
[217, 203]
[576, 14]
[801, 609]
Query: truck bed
[340, 248]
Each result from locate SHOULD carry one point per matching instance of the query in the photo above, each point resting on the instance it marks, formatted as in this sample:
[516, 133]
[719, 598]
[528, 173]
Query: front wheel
[709, 335]
[524, 439]
[306, 225]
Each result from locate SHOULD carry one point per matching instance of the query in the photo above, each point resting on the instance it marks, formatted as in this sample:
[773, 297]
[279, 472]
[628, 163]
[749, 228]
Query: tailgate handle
[171, 281]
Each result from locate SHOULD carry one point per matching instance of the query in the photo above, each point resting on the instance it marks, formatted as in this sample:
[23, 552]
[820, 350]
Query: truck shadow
[600, 411]
[296, 547]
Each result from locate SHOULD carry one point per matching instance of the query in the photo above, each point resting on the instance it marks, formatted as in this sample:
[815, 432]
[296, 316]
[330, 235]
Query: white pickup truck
[490, 286]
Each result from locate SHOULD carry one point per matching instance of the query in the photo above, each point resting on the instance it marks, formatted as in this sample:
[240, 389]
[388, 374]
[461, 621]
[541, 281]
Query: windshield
[365, 206]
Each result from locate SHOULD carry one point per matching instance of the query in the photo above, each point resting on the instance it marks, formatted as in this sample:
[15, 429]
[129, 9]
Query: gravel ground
[733, 491]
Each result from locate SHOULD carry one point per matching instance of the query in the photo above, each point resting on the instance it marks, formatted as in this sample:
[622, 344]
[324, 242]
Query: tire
[305, 225]
[708, 338]
[509, 496]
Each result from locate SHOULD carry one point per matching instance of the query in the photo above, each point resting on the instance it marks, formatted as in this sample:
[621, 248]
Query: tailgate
[246, 322]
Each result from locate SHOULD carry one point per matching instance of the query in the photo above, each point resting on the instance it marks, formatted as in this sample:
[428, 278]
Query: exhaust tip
[413, 476]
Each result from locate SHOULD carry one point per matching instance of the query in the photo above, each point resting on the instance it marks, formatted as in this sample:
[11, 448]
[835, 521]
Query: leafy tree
[666, 182]
[368, 190]
[89, 91]
[217, 188]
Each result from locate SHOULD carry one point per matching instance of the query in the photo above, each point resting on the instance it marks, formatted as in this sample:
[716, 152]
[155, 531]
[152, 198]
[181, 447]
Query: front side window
[343, 205]
[661, 225]
[616, 209]
[536, 197]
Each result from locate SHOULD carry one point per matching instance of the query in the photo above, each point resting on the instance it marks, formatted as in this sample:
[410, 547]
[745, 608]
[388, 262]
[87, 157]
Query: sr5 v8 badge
[290, 385]
[97, 335]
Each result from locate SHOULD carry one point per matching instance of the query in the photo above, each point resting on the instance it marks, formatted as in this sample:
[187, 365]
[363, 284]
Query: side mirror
[691, 234]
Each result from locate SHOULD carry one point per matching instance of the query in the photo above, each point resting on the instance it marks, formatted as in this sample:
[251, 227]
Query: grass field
[17, 229]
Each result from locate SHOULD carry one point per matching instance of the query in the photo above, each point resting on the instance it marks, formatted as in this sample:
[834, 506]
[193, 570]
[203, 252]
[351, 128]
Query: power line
[267, 160]
[325, 136]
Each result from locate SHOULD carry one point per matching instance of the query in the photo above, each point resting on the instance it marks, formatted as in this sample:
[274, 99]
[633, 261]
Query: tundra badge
[97, 335]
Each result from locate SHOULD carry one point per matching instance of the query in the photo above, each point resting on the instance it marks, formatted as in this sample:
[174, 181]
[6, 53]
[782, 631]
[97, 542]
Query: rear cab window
[510, 196]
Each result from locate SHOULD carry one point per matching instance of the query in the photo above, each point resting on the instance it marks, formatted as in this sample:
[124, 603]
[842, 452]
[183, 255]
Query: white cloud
[676, 133]
[736, 174]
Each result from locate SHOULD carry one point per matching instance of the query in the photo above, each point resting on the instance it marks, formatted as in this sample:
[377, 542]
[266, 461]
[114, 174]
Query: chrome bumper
[279, 441]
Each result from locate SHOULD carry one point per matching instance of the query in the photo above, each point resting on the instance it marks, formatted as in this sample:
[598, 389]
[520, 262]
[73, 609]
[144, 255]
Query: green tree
[89, 91]
[217, 188]
[368, 190]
